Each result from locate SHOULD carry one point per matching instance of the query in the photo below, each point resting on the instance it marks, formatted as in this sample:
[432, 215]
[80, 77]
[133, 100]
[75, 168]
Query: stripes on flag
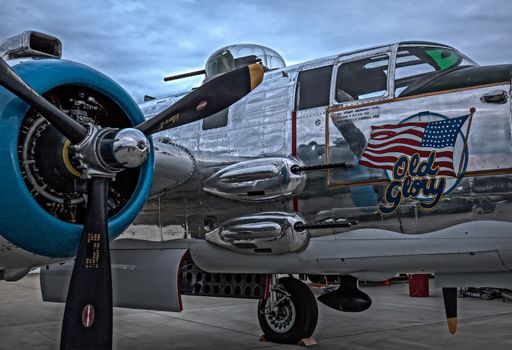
[388, 142]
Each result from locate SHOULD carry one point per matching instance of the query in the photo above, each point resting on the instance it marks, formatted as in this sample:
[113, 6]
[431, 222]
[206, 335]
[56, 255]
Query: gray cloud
[137, 43]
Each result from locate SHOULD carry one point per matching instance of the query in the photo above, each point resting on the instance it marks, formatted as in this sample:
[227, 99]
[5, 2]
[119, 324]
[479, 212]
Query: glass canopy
[235, 56]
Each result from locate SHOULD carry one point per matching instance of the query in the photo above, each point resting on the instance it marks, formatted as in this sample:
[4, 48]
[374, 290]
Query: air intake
[31, 44]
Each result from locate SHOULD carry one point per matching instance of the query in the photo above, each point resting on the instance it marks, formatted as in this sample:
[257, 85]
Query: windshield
[414, 64]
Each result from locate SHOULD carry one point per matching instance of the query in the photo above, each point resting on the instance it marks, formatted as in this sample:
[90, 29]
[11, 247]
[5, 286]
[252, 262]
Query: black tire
[306, 314]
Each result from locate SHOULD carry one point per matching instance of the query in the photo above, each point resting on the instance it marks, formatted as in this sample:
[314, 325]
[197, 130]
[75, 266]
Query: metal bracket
[87, 154]
[275, 288]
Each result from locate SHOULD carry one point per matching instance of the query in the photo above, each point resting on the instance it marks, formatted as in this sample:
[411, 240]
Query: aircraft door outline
[345, 140]
[309, 114]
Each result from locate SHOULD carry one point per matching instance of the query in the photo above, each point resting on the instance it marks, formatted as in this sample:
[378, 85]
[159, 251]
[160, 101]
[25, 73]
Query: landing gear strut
[290, 313]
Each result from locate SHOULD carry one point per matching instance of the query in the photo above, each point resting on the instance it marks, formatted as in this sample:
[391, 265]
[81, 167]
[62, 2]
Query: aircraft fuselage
[436, 196]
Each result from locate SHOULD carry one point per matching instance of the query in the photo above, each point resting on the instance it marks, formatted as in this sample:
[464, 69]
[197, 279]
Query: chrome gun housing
[257, 180]
[260, 234]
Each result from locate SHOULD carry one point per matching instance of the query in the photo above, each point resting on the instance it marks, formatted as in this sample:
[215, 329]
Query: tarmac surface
[395, 321]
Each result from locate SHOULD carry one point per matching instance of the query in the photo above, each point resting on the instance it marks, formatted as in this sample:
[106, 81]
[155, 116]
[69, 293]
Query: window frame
[404, 46]
[390, 51]
[297, 85]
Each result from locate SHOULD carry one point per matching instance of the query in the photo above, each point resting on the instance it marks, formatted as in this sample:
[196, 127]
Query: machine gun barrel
[185, 75]
[296, 169]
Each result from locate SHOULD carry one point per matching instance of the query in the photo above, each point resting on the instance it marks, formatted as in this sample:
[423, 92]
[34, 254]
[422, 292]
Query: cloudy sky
[137, 43]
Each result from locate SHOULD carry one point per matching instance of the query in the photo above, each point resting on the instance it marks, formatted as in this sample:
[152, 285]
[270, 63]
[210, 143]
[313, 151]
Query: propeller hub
[130, 148]
[105, 152]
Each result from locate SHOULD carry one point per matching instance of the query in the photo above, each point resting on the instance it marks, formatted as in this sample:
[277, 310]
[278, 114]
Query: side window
[360, 79]
[313, 88]
[416, 65]
[409, 68]
[216, 120]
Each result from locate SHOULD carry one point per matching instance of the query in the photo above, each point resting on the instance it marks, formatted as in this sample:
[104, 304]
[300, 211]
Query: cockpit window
[361, 79]
[416, 63]
[444, 58]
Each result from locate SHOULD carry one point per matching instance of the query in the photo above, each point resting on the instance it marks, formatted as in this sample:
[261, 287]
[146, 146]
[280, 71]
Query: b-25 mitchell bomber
[393, 159]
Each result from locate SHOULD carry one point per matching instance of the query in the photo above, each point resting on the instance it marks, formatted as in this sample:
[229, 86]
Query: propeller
[450, 307]
[103, 152]
[212, 97]
[87, 322]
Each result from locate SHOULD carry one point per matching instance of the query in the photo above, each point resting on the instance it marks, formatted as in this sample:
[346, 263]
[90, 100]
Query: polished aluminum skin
[251, 134]
[174, 165]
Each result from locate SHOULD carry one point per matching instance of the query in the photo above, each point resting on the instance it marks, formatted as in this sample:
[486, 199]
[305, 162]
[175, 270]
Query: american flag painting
[390, 141]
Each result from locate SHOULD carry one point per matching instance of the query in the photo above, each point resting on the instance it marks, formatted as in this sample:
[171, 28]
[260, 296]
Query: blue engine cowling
[22, 219]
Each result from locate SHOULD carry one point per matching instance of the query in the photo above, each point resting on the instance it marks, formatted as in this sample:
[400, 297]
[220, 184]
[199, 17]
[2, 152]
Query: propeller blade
[70, 128]
[210, 98]
[87, 320]
[450, 307]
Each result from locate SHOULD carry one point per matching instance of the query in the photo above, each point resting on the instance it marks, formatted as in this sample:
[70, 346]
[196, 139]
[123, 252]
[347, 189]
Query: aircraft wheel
[292, 319]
